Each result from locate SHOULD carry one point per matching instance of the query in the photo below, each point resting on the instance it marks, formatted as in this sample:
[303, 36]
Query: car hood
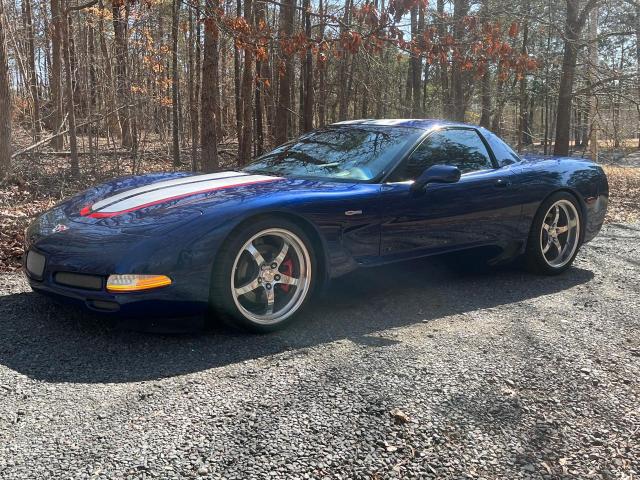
[158, 198]
[154, 204]
[144, 204]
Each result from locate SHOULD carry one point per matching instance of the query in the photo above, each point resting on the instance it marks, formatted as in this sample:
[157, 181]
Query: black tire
[534, 258]
[225, 305]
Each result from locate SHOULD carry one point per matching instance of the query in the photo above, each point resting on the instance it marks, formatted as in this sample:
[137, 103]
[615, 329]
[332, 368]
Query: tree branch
[76, 8]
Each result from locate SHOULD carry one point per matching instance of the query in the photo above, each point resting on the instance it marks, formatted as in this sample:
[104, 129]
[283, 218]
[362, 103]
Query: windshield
[354, 152]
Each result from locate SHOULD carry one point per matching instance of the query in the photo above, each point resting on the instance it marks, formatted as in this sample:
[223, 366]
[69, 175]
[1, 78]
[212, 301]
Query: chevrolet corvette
[251, 246]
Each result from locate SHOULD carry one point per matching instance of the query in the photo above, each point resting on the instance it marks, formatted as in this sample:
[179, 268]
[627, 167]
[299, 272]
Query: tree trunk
[246, 142]
[547, 103]
[485, 95]
[122, 91]
[322, 72]
[425, 84]
[194, 66]
[460, 10]
[93, 77]
[283, 113]
[408, 89]
[307, 76]
[263, 91]
[485, 116]
[343, 91]
[5, 101]
[617, 104]
[197, 85]
[208, 134]
[259, 114]
[113, 123]
[71, 114]
[193, 125]
[524, 112]
[574, 23]
[55, 80]
[563, 116]
[237, 73]
[33, 75]
[175, 126]
[444, 74]
[416, 61]
[72, 53]
[46, 27]
[637, 66]
[496, 121]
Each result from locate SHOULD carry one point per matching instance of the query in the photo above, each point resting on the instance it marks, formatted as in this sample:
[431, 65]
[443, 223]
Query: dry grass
[624, 193]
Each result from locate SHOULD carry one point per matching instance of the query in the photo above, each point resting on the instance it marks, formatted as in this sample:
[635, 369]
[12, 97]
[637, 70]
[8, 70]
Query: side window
[504, 153]
[461, 148]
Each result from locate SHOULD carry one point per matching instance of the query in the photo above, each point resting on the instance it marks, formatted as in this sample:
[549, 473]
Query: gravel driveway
[408, 371]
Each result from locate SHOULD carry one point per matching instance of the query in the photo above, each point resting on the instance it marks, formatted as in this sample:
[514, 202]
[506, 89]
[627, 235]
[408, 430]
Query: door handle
[502, 183]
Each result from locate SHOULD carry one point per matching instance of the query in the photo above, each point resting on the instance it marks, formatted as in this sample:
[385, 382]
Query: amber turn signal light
[135, 283]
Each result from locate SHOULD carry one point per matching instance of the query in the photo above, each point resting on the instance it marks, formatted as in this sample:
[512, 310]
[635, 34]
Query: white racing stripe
[194, 179]
[140, 198]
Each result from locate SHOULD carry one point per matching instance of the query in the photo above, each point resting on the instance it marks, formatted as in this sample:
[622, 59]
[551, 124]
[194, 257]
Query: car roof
[421, 123]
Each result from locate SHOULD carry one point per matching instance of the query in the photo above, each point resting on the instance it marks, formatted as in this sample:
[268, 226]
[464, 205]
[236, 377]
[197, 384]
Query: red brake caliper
[286, 267]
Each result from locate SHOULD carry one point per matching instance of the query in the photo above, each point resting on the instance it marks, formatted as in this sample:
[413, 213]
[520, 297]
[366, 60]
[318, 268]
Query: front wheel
[555, 235]
[264, 275]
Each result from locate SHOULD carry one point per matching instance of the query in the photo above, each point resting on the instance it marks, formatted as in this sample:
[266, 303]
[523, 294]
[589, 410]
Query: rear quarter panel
[539, 177]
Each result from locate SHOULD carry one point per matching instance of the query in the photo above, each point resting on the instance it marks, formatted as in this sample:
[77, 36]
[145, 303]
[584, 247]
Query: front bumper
[169, 301]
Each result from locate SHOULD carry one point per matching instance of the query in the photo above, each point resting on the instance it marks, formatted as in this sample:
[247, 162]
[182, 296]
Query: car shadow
[55, 343]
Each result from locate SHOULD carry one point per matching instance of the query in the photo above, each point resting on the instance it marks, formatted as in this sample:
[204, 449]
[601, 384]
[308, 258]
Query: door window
[458, 147]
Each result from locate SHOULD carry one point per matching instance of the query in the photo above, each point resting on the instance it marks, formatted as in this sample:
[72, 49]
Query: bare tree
[246, 140]
[443, 65]
[307, 73]
[485, 96]
[574, 24]
[193, 83]
[460, 10]
[283, 107]
[120, 19]
[593, 101]
[322, 71]
[55, 80]
[237, 80]
[344, 90]
[175, 127]
[33, 75]
[5, 101]
[208, 134]
[70, 103]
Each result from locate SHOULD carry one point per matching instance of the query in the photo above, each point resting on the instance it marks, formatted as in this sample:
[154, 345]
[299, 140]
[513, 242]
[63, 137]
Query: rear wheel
[555, 235]
[264, 275]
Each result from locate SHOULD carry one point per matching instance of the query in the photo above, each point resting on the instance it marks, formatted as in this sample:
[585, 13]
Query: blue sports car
[253, 245]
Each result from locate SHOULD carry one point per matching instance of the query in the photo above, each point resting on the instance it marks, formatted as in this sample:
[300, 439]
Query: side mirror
[436, 174]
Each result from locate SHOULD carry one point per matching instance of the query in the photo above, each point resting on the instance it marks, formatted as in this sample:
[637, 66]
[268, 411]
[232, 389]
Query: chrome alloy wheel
[560, 233]
[271, 276]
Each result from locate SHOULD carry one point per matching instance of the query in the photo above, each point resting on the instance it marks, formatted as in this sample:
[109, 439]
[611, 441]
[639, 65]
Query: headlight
[134, 283]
